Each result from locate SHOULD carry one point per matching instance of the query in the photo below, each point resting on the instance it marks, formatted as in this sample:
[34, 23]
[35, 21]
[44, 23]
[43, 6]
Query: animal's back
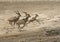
[13, 19]
[20, 22]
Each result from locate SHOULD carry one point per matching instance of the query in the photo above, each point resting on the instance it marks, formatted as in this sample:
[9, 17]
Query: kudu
[14, 19]
[34, 19]
[23, 21]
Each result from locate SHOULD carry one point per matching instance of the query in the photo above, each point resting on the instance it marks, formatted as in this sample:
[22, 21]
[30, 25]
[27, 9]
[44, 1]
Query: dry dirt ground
[49, 17]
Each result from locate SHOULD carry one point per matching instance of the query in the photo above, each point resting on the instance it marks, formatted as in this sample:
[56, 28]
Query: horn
[17, 12]
[25, 12]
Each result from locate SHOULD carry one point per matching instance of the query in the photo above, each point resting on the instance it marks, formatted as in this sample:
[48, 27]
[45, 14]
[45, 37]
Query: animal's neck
[26, 19]
[18, 17]
[35, 16]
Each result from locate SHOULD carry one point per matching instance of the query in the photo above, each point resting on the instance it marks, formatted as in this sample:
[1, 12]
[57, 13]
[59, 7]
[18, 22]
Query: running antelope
[14, 19]
[23, 21]
[33, 19]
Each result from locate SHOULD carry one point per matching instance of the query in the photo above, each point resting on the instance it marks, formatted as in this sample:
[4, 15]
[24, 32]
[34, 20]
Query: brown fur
[14, 19]
[23, 21]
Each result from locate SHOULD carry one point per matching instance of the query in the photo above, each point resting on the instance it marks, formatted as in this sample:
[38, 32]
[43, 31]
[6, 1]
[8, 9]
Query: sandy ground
[49, 16]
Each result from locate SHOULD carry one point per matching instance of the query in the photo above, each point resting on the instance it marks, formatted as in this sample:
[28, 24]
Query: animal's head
[28, 15]
[36, 15]
[17, 12]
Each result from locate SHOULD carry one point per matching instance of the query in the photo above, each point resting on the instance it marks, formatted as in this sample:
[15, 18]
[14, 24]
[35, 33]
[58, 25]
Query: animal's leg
[13, 24]
[29, 21]
[19, 27]
[10, 23]
[23, 26]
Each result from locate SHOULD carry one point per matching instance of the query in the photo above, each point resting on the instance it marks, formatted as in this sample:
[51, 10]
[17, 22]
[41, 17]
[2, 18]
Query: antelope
[14, 19]
[23, 21]
[33, 19]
